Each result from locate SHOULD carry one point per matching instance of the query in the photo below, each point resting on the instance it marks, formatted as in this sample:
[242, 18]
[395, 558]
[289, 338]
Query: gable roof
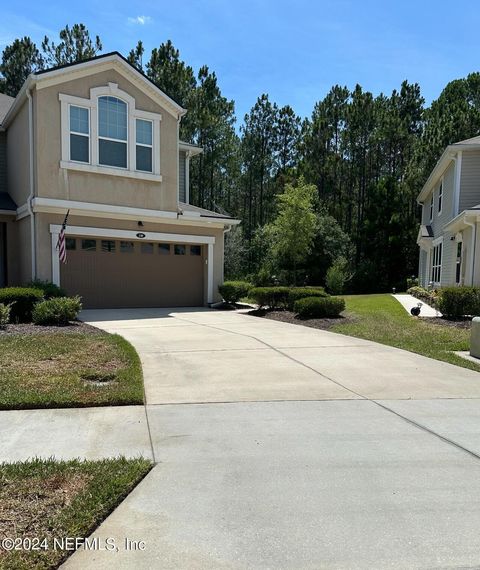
[449, 154]
[5, 103]
[62, 73]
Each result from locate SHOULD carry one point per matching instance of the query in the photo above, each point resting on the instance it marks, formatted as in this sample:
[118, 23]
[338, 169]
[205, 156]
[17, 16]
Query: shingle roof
[5, 103]
[202, 212]
[6, 203]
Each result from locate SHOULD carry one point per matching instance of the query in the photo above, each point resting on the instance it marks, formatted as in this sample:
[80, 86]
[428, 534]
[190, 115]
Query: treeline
[366, 155]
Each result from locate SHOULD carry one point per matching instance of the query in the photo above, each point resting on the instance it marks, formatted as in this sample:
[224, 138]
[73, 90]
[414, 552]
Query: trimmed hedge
[23, 300]
[272, 297]
[4, 315]
[57, 311]
[297, 293]
[233, 291]
[460, 301]
[429, 297]
[318, 307]
[49, 289]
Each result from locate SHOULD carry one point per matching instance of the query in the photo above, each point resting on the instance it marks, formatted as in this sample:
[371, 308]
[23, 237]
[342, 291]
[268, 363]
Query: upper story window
[440, 197]
[431, 208]
[144, 145]
[79, 134]
[112, 132]
[108, 134]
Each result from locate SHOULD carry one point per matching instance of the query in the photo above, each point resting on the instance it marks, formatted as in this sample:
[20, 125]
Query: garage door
[115, 274]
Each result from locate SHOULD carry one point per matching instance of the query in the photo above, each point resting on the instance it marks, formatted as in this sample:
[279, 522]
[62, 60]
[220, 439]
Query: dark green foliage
[271, 297]
[75, 45]
[49, 289]
[4, 315]
[233, 291]
[318, 307]
[297, 293]
[459, 301]
[23, 300]
[56, 311]
[19, 59]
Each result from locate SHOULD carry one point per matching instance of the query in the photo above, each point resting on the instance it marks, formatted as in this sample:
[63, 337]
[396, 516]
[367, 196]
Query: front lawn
[68, 369]
[382, 319]
[42, 502]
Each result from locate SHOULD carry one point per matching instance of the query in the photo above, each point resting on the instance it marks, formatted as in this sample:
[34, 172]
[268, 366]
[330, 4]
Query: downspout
[32, 186]
[473, 247]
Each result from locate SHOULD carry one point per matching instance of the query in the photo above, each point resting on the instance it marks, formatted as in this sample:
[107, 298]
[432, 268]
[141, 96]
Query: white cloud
[142, 20]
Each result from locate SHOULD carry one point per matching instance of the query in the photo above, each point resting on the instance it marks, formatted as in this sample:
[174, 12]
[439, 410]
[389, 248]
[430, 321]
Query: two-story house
[449, 236]
[99, 140]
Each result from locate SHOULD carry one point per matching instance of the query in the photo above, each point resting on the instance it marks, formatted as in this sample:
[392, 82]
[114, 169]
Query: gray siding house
[448, 235]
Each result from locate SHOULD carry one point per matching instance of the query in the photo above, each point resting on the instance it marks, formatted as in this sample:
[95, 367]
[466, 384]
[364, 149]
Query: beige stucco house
[448, 237]
[100, 140]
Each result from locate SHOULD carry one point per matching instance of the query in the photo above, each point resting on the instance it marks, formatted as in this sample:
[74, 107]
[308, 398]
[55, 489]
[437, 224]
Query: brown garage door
[115, 274]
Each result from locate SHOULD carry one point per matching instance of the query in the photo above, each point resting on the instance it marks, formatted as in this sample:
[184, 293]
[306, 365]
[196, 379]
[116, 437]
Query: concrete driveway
[280, 446]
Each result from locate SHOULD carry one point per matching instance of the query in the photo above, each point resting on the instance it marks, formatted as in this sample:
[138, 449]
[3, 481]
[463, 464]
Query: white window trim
[150, 146]
[440, 195]
[91, 104]
[432, 205]
[131, 235]
[436, 243]
[70, 132]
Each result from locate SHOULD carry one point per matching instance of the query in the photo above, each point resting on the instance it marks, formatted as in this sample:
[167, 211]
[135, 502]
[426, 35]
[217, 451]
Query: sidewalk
[408, 302]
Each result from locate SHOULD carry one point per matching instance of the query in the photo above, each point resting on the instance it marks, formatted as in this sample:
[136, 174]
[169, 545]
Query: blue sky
[292, 50]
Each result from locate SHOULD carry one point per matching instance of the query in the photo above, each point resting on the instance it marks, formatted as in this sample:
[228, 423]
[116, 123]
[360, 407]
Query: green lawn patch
[49, 501]
[59, 370]
[382, 319]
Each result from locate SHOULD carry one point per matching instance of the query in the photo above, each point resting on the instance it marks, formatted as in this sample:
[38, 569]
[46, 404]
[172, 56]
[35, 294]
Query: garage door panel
[119, 279]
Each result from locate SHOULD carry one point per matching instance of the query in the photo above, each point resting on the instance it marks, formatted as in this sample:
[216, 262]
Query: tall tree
[19, 59]
[75, 45]
[135, 56]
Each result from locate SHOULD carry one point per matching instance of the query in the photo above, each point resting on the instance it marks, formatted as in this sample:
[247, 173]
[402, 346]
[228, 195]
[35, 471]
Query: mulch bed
[290, 317]
[459, 323]
[30, 328]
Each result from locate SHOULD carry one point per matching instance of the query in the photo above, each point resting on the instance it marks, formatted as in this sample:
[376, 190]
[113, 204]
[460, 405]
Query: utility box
[475, 338]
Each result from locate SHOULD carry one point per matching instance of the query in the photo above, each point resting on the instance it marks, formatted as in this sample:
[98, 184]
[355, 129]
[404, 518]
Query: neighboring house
[449, 236]
[100, 140]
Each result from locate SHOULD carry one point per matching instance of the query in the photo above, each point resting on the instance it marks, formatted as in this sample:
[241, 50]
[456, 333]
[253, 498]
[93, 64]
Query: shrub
[429, 297]
[22, 301]
[4, 315]
[57, 311]
[273, 297]
[318, 307]
[297, 293]
[337, 276]
[412, 282]
[233, 291]
[49, 289]
[460, 301]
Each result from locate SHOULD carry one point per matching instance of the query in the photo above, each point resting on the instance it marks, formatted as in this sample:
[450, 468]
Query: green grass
[382, 319]
[51, 500]
[53, 371]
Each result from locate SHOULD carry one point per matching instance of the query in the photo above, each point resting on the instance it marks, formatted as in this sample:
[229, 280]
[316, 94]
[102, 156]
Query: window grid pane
[79, 148]
[111, 153]
[112, 118]
[164, 248]
[79, 120]
[126, 246]
[108, 245]
[144, 158]
[144, 132]
[89, 244]
[179, 249]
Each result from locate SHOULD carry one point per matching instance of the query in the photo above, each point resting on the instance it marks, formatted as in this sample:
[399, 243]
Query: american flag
[62, 250]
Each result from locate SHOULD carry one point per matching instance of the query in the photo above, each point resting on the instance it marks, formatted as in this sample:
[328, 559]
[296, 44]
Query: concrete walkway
[409, 301]
[281, 446]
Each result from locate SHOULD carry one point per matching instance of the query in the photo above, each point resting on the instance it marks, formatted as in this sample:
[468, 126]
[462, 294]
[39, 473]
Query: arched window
[112, 132]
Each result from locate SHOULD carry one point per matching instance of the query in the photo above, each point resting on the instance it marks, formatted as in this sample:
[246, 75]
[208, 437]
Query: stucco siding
[44, 251]
[18, 178]
[470, 180]
[54, 182]
[182, 188]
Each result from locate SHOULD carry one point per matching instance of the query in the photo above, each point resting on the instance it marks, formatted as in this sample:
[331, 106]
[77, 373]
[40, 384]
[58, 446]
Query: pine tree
[75, 45]
[19, 59]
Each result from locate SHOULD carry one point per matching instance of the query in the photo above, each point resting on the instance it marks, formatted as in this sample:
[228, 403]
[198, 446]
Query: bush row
[43, 304]
[283, 297]
[319, 307]
[429, 297]
[459, 301]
